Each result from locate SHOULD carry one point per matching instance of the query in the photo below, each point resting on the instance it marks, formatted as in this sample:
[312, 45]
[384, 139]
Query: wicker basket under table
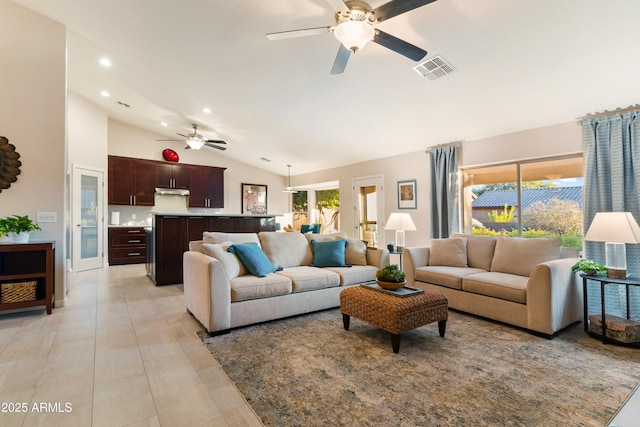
[392, 313]
[18, 291]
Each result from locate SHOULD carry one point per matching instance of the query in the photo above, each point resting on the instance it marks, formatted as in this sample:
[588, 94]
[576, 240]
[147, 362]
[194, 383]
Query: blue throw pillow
[254, 259]
[329, 254]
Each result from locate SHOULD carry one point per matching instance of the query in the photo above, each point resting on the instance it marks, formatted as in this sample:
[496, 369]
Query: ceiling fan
[196, 141]
[355, 27]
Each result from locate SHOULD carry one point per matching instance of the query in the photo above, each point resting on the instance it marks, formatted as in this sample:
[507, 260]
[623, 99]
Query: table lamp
[615, 229]
[400, 222]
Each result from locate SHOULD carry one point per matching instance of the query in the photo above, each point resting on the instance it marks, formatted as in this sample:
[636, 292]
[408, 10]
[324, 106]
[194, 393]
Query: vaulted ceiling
[519, 64]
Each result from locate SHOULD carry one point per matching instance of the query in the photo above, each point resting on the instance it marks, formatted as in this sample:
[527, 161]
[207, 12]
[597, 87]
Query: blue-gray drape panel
[612, 184]
[445, 200]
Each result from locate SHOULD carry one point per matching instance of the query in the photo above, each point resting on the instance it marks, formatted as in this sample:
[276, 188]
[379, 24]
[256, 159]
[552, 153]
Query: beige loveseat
[524, 282]
[221, 294]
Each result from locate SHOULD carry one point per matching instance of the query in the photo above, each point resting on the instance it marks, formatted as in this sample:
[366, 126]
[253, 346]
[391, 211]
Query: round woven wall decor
[9, 164]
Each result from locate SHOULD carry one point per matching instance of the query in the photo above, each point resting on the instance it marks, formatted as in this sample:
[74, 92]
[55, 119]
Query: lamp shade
[400, 221]
[615, 227]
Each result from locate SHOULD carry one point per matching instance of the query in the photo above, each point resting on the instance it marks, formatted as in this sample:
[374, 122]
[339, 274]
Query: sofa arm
[377, 257]
[207, 291]
[413, 258]
[554, 296]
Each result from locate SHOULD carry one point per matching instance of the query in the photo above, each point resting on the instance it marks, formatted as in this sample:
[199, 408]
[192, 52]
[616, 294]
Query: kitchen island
[170, 235]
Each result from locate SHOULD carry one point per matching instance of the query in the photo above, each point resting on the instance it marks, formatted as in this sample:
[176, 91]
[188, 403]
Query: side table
[604, 280]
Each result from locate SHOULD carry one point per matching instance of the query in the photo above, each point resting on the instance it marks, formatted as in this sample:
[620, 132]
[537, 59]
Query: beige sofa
[221, 294]
[524, 282]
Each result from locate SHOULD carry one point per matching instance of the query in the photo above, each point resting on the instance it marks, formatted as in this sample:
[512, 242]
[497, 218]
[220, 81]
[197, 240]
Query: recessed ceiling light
[206, 110]
[163, 124]
[105, 61]
[105, 94]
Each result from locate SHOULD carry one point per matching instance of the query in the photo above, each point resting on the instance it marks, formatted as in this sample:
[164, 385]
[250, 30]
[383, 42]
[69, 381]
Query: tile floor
[121, 353]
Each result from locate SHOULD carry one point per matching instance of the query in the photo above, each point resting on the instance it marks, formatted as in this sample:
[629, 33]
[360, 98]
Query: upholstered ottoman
[392, 313]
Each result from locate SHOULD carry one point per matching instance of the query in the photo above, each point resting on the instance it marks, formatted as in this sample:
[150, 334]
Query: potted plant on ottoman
[20, 228]
[391, 277]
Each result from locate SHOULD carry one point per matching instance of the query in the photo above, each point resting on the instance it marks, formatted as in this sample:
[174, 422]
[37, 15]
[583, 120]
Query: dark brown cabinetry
[127, 245]
[171, 235]
[206, 185]
[170, 175]
[27, 275]
[131, 181]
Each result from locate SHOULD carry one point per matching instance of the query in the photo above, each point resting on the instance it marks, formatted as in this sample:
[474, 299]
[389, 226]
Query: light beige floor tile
[122, 410]
[149, 422]
[73, 385]
[117, 363]
[21, 374]
[31, 345]
[238, 417]
[17, 412]
[76, 331]
[191, 406]
[169, 375]
[74, 415]
[115, 338]
[198, 355]
[68, 354]
[132, 386]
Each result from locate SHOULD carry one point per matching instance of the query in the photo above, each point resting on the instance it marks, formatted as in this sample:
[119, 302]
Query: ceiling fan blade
[397, 7]
[170, 140]
[338, 6]
[187, 148]
[340, 62]
[212, 145]
[215, 141]
[400, 46]
[298, 33]
[179, 134]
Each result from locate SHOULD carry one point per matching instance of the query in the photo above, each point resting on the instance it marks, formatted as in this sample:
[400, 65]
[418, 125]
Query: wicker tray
[18, 291]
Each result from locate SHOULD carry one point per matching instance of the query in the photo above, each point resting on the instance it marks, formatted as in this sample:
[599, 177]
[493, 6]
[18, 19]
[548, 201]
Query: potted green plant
[589, 267]
[391, 277]
[20, 227]
[4, 230]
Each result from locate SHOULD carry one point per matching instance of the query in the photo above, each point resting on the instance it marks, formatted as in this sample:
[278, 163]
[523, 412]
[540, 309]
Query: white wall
[555, 140]
[129, 141]
[32, 117]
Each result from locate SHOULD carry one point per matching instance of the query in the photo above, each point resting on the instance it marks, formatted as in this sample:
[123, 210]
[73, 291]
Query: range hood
[172, 191]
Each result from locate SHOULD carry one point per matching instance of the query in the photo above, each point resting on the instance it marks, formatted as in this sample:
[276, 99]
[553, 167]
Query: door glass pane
[369, 216]
[89, 217]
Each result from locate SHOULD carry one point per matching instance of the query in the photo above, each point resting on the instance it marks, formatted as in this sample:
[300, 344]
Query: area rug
[309, 371]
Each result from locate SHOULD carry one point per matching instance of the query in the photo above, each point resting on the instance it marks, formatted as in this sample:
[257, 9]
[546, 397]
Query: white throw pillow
[230, 261]
[448, 252]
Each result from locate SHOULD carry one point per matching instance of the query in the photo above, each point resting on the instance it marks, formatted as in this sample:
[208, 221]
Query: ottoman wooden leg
[395, 343]
[442, 325]
[345, 321]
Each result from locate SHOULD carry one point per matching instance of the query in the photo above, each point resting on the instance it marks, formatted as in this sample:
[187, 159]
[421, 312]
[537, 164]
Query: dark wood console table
[24, 264]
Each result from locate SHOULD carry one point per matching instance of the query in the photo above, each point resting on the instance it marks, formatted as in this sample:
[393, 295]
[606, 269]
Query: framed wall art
[254, 199]
[407, 195]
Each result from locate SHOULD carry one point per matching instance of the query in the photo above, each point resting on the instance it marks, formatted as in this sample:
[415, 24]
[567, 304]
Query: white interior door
[87, 219]
[368, 205]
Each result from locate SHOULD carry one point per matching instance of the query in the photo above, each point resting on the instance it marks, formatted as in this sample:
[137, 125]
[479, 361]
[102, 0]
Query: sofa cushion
[451, 277]
[220, 237]
[479, 250]
[329, 254]
[356, 251]
[286, 249]
[448, 252]
[355, 274]
[510, 287]
[253, 287]
[324, 237]
[230, 261]
[519, 256]
[310, 278]
[253, 258]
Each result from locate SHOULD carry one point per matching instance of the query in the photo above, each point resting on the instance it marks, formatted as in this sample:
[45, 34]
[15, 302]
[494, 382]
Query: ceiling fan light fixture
[195, 143]
[354, 35]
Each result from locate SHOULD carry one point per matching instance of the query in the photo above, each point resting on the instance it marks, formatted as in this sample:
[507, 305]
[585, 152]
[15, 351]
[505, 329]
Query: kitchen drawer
[132, 240]
[128, 255]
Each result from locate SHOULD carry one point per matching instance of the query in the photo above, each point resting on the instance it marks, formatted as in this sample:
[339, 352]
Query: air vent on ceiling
[434, 68]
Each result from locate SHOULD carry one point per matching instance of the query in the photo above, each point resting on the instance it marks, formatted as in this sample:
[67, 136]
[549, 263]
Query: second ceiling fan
[355, 27]
[196, 141]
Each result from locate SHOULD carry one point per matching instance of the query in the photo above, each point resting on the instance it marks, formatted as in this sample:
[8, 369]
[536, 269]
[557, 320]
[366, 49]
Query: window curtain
[612, 184]
[445, 201]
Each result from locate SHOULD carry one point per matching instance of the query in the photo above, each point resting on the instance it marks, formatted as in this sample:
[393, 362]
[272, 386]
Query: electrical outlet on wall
[46, 217]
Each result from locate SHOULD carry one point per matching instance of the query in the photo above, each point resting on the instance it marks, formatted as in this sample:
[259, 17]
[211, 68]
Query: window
[317, 206]
[538, 198]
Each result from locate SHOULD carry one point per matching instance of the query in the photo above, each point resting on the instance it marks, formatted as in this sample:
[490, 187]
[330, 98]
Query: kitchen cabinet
[172, 175]
[171, 234]
[127, 245]
[206, 187]
[30, 267]
[131, 181]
